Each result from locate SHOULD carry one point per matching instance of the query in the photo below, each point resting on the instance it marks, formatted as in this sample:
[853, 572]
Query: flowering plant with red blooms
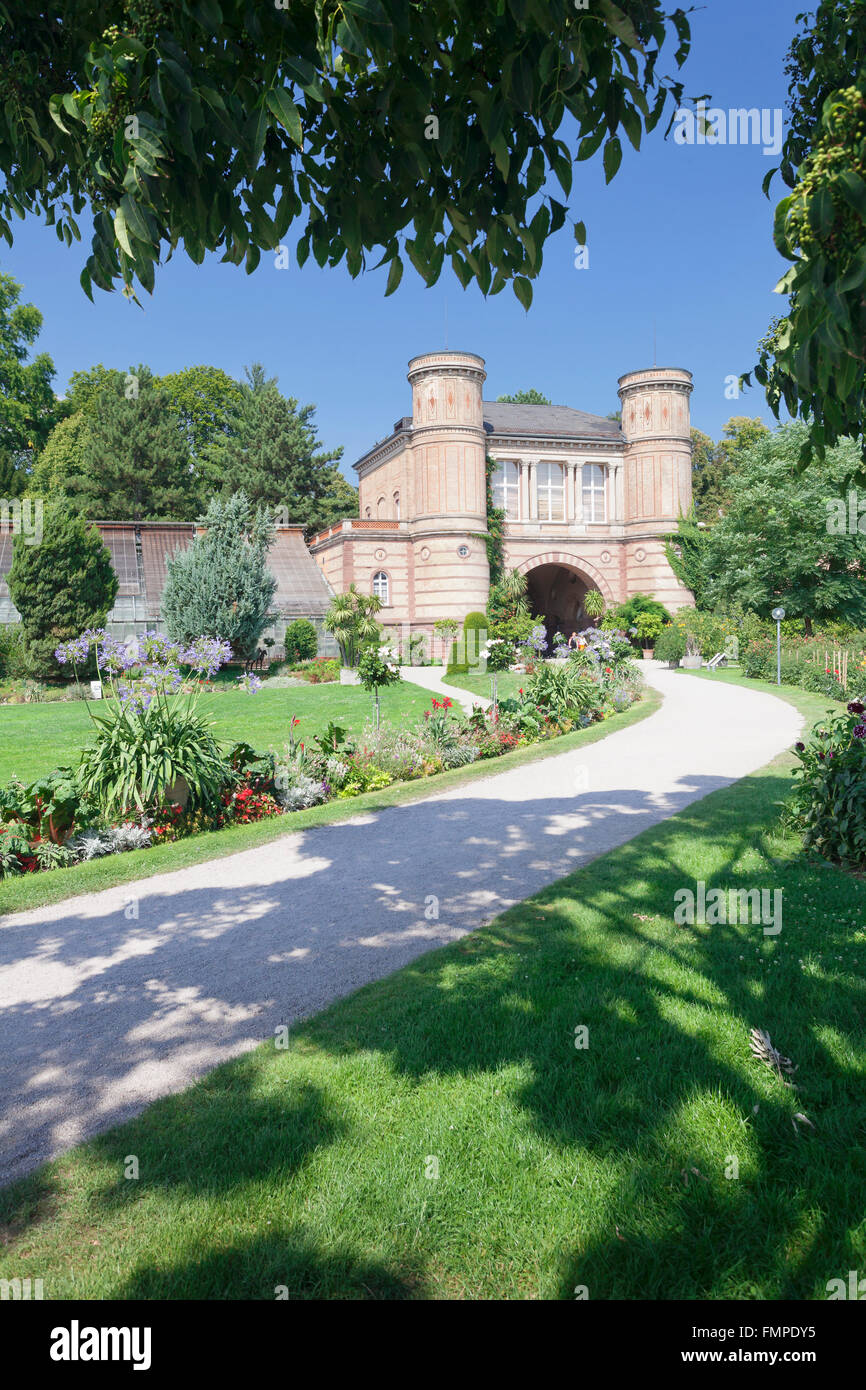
[829, 803]
[245, 804]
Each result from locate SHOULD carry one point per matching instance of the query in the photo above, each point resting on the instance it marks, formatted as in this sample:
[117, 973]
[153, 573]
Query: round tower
[449, 450]
[658, 456]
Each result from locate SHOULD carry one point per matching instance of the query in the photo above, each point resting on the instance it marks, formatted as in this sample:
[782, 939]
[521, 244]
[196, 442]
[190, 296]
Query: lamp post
[778, 614]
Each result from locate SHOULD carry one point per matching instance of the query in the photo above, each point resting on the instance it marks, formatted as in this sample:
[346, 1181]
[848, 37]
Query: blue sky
[680, 243]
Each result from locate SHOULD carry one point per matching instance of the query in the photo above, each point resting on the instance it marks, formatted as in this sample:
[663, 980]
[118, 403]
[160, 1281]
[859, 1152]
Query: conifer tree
[220, 586]
[60, 586]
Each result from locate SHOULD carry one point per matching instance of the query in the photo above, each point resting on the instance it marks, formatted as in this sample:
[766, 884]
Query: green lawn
[558, 1168]
[36, 738]
[508, 683]
[35, 890]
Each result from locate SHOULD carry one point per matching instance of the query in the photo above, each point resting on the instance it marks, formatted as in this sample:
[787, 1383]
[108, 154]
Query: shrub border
[30, 891]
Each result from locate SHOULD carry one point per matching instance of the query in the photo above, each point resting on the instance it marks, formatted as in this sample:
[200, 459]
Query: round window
[463, 551]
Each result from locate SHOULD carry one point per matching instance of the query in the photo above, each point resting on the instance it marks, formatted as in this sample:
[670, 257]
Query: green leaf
[122, 233]
[580, 233]
[523, 290]
[619, 23]
[286, 112]
[134, 220]
[395, 275]
[612, 157]
[854, 191]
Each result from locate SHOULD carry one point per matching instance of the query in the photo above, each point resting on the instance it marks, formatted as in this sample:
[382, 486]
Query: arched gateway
[557, 585]
[585, 501]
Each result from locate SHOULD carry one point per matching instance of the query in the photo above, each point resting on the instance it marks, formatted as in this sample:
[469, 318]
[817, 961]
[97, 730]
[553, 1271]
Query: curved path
[108, 1001]
[431, 678]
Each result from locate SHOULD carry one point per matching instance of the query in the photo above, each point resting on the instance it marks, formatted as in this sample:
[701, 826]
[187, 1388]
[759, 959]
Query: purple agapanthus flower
[250, 682]
[116, 657]
[206, 655]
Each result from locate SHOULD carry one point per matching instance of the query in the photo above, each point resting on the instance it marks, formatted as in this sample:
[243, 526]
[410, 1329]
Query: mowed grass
[608, 1168]
[35, 890]
[508, 684]
[36, 738]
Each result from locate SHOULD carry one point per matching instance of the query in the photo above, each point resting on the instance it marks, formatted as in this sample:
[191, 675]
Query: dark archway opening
[556, 594]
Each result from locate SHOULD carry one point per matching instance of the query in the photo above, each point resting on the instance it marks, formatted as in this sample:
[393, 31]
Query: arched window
[380, 508]
[382, 588]
[506, 489]
[550, 492]
[397, 505]
[368, 514]
[593, 492]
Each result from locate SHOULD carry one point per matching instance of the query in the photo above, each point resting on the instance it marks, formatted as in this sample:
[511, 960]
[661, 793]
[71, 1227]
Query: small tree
[446, 630]
[377, 669]
[498, 654]
[60, 587]
[351, 620]
[220, 586]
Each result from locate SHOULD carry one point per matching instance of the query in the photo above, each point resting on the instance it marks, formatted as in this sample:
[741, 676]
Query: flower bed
[828, 808]
[157, 773]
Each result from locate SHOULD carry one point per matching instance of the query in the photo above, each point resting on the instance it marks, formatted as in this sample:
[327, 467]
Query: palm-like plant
[509, 597]
[593, 603]
[352, 622]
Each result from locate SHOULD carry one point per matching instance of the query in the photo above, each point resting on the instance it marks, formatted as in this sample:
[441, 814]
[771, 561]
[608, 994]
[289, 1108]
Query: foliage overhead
[812, 360]
[390, 129]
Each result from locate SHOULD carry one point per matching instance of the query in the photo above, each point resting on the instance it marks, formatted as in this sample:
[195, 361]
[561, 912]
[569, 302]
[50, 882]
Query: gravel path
[110, 1000]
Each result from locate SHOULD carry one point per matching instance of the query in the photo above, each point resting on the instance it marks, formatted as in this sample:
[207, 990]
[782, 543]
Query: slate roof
[560, 421]
[534, 421]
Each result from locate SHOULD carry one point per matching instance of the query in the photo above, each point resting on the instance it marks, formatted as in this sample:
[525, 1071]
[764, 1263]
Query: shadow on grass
[668, 1010]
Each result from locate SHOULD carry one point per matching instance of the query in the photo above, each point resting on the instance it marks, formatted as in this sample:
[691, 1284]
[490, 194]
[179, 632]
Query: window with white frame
[381, 587]
[550, 490]
[506, 489]
[397, 505]
[593, 492]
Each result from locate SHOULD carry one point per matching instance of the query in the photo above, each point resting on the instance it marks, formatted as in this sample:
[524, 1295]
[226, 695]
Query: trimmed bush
[301, 640]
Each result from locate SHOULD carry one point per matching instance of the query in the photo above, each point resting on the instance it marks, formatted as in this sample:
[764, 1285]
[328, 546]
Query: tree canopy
[530, 397]
[778, 543]
[714, 466]
[388, 128]
[274, 456]
[28, 407]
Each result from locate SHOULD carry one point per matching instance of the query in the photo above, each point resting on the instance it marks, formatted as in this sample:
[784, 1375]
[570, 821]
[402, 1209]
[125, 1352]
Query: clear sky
[680, 246]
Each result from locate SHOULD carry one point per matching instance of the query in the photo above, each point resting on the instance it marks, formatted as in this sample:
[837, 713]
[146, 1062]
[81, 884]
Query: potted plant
[593, 605]
[649, 625]
[670, 645]
[692, 660]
